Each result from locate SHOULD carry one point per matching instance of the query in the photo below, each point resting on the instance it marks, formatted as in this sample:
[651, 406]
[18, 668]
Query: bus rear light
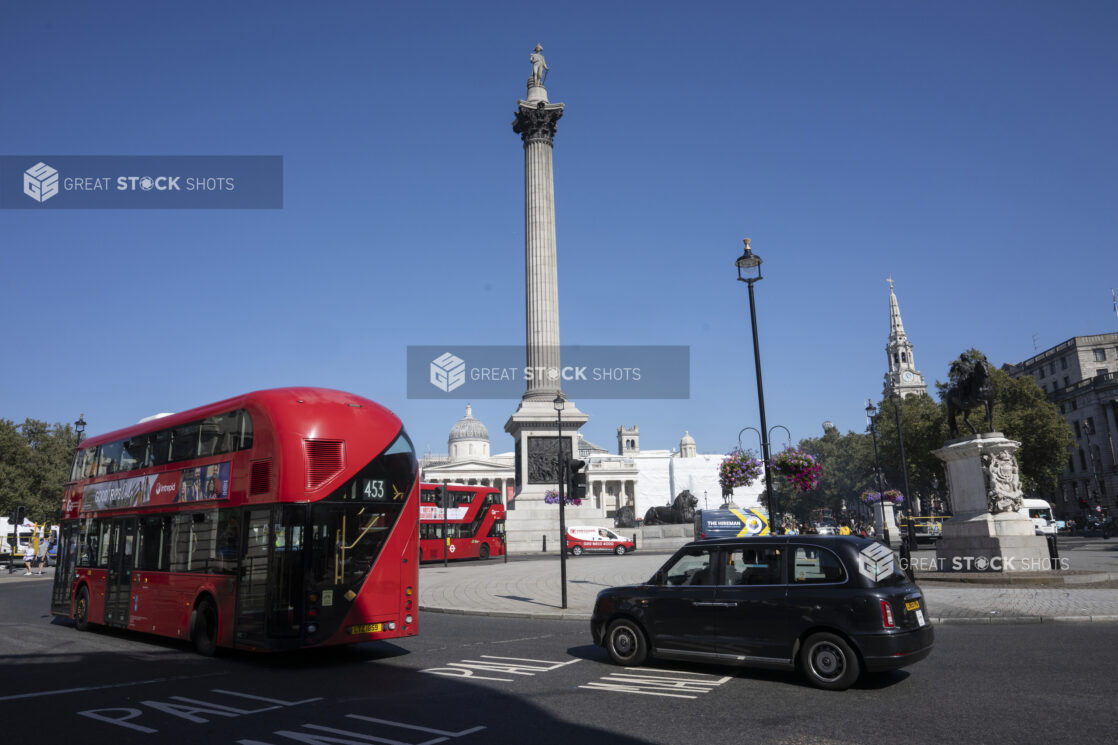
[312, 598]
[312, 613]
[407, 605]
[408, 592]
[391, 625]
[408, 619]
[311, 628]
[887, 615]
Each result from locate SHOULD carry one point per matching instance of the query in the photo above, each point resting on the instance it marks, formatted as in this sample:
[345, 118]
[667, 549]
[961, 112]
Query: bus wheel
[483, 552]
[576, 550]
[81, 610]
[203, 628]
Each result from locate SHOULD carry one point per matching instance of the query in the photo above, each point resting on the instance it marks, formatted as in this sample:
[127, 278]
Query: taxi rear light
[887, 615]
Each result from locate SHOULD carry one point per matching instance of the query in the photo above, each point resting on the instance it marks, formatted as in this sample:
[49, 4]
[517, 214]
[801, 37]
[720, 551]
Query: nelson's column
[534, 424]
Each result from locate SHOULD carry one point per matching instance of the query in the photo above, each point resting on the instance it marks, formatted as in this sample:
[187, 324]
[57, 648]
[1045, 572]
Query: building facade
[1081, 377]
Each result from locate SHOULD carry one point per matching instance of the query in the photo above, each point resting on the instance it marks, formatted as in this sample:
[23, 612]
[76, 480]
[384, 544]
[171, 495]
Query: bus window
[134, 453]
[160, 448]
[110, 458]
[155, 543]
[184, 442]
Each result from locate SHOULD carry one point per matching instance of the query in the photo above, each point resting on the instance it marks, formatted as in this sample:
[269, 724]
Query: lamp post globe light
[561, 461]
[878, 517]
[749, 271]
[80, 427]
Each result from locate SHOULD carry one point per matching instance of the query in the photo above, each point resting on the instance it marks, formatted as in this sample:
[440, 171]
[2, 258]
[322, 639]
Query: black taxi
[831, 606]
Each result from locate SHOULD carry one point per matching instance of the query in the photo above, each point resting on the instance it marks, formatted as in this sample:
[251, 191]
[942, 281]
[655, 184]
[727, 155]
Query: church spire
[903, 379]
[896, 327]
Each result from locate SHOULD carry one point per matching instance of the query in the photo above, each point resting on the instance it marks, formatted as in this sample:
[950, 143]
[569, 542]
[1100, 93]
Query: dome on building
[468, 438]
[687, 448]
[687, 439]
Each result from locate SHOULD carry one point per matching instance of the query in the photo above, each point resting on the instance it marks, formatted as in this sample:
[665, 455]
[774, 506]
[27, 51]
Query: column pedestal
[981, 475]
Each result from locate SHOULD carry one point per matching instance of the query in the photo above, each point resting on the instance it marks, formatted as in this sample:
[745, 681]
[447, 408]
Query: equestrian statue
[973, 386]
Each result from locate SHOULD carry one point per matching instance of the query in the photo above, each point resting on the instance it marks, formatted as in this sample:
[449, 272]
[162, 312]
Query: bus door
[252, 589]
[270, 591]
[118, 586]
[64, 568]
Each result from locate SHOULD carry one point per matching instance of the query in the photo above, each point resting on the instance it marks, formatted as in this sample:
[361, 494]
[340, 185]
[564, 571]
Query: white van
[1040, 512]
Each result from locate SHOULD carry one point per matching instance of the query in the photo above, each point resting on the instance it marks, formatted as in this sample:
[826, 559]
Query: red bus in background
[475, 523]
[279, 519]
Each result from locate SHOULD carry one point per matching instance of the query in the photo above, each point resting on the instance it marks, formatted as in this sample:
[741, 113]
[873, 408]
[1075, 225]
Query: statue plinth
[884, 515]
[986, 532]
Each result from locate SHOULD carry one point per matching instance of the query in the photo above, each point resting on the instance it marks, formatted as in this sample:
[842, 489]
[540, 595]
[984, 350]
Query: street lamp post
[749, 271]
[879, 525]
[910, 533]
[560, 463]
[80, 427]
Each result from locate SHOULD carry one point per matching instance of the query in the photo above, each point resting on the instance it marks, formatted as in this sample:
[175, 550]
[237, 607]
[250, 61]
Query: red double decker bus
[279, 519]
[475, 523]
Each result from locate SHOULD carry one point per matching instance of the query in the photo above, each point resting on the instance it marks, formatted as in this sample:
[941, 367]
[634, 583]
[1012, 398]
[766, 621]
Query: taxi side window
[814, 565]
[691, 569]
[754, 566]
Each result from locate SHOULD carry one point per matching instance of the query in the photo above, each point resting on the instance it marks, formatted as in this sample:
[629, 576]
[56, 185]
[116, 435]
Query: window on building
[1100, 355]
[1066, 381]
[1071, 465]
[1078, 431]
[1082, 459]
[1101, 371]
[1063, 363]
[1089, 425]
[1074, 405]
[1062, 407]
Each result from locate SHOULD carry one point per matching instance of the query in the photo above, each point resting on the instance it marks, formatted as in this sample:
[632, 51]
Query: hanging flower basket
[552, 497]
[890, 495]
[739, 468]
[800, 469]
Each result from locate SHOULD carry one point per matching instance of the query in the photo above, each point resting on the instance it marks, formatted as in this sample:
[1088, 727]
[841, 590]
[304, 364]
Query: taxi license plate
[912, 605]
[366, 628]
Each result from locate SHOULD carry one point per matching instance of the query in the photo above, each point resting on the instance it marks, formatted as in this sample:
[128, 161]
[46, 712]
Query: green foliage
[924, 429]
[847, 462]
[35, 461]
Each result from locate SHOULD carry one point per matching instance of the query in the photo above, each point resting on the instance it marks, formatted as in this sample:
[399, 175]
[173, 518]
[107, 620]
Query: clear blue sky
[966, 149]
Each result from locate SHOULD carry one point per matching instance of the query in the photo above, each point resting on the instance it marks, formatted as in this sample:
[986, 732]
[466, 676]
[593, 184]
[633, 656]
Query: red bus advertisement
[275, 520]
[475, 523]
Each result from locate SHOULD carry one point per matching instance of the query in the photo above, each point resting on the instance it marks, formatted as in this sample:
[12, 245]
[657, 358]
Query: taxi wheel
[829, 662]
[81, 610]
[203, 628]
[620, 550]
[625, 643]
[576, 551]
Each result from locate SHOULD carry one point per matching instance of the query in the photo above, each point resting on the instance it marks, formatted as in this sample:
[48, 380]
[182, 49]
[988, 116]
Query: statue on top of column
[539, 67]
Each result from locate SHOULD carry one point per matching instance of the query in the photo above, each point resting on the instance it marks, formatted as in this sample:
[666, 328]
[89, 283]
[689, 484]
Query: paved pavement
[532, 589]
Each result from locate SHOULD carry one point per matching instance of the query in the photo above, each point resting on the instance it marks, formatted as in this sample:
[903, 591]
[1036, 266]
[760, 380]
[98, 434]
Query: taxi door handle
[716, 604]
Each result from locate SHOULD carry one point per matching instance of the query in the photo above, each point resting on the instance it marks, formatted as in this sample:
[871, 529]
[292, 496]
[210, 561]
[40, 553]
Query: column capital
[537, 122]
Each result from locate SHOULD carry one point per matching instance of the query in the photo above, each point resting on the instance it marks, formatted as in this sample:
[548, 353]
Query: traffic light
[441, 495]
[576, 479]
[17, 516]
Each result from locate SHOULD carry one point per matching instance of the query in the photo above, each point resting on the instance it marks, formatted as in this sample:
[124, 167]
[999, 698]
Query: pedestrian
[41, 554]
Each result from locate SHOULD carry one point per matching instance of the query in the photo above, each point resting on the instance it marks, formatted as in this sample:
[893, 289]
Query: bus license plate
[366, 628]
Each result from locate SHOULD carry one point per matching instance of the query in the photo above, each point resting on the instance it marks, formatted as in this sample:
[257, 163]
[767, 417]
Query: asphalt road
[496, 680]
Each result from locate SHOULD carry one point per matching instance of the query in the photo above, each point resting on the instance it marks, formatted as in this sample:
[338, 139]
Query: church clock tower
[903, 378]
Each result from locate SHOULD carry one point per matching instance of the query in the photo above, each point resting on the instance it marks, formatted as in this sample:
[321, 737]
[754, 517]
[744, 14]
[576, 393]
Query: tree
[924, 428]
[35, 461]
[847, 462]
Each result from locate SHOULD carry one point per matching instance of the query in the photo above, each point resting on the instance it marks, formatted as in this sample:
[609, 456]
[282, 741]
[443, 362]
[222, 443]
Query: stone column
[534, 424]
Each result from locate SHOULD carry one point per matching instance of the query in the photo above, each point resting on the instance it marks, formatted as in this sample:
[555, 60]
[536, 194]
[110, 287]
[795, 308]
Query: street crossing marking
[672, 684]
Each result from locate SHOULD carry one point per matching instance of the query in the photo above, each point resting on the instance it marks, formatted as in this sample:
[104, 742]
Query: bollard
[545, 544]
[1053, 551]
